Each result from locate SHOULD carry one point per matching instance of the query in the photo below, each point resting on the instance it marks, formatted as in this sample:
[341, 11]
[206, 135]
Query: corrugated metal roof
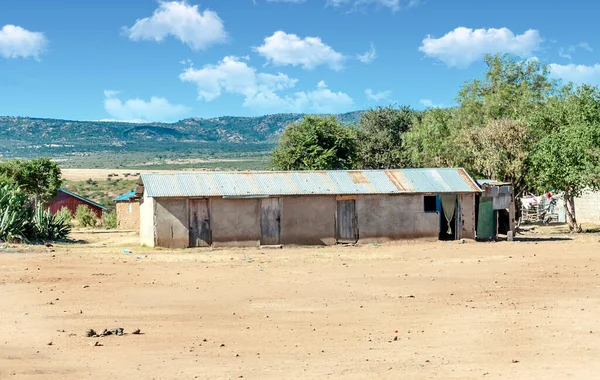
[125, 197]
[82, 198]
[336, 182]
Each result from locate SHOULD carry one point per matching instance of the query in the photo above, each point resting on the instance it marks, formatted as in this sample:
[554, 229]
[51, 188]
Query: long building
[200, 209]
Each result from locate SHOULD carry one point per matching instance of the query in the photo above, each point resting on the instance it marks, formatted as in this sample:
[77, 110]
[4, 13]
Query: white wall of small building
[587, 207]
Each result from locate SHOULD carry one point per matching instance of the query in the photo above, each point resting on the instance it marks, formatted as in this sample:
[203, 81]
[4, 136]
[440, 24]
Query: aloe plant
[19, 221]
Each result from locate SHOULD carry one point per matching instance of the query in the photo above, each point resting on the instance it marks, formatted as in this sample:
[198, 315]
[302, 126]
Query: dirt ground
[102, 174]
[413, 310]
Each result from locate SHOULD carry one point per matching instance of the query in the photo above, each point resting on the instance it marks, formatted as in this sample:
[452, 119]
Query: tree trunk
[570, 210]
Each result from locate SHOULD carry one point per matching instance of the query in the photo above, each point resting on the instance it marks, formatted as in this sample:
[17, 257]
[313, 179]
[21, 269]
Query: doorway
[447, 223]
[199, 223]
[270, 221]
[346, 222]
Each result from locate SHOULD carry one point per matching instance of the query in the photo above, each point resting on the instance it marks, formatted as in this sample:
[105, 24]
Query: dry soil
[421, 310]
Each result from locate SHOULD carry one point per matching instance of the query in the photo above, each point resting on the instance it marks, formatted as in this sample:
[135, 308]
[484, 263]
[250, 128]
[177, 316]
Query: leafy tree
[499, 150]
[315, 143]
[568, 159]
[429, 142]
[40, 177]
[380, 133]
[512, 89]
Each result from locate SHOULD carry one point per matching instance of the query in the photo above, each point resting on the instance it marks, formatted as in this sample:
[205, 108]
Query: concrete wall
[467, 216]
[587, 208]
[171, 223]
[394, 217]
[235, 222]
[308, 220]
[128, 215]
[147, 221]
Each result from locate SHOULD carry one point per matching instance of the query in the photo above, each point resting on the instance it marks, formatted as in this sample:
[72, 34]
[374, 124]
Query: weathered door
[486, 221]
[270, 218]
[199, 223]
[346, 223]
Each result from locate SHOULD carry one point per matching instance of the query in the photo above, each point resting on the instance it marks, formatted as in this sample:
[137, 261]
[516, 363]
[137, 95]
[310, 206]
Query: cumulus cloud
[368, 56]
[288, 49]
[463, 46]
[377, 96]
[394, 5]
[138, 110]
[262, 91]
[17, 42]
[578, 74]
[185, 22]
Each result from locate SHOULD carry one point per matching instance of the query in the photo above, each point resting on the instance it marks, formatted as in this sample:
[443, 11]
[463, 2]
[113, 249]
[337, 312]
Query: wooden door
[346, 223]
[270, 218]
[199, 223]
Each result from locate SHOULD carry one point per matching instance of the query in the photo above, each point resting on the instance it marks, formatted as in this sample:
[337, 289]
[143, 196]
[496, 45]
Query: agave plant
[15, 214]
[20, 222]
[47, 226]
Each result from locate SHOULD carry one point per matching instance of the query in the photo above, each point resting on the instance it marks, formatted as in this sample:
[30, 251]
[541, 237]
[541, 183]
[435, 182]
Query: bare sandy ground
[96, 174]
[523, 310]
[100, 174]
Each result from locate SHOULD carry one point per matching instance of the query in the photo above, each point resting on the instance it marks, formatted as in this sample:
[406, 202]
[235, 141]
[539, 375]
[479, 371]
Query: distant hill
[24, 136]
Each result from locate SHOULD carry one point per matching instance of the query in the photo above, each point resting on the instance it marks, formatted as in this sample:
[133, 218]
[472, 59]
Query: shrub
[85, 217]
[66, 215]
[50, 227]
[109, 219]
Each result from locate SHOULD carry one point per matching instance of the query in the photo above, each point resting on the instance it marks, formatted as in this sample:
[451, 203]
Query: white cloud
[463, 46]
[576, 73]
[262, 91]
[585, 46]
[234, 76]
[428, 103]
[368, 56]
[285, 1]
[288, 49]
[377, 96]
[138, 110]
[185, 22]
[17, 42]
[566, 52]
[394, 5]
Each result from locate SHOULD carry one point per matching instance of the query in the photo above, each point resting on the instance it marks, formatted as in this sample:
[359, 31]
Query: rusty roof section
[334, 182]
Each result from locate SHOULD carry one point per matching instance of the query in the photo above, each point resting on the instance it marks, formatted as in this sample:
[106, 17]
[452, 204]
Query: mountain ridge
[19, 135]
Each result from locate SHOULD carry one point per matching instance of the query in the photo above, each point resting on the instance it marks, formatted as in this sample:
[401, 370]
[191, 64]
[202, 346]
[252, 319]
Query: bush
[109, 219]
[85, 217]
[50, 227]
[66, 215]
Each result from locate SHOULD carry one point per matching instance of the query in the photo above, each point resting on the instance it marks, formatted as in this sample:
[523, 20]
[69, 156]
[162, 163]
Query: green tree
[429, 142]
[512, 89]
[315, 143]
[40, 177]
[499, 150]
[380, 132]
[568, 159]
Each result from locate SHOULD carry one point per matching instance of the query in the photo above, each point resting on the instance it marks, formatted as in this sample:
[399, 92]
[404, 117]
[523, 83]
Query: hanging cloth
[449, 206]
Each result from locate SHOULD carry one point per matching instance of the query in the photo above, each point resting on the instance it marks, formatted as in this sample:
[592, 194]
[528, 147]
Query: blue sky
[167, 60]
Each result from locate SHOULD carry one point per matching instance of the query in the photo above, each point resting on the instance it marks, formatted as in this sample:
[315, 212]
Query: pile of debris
[119, 331]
